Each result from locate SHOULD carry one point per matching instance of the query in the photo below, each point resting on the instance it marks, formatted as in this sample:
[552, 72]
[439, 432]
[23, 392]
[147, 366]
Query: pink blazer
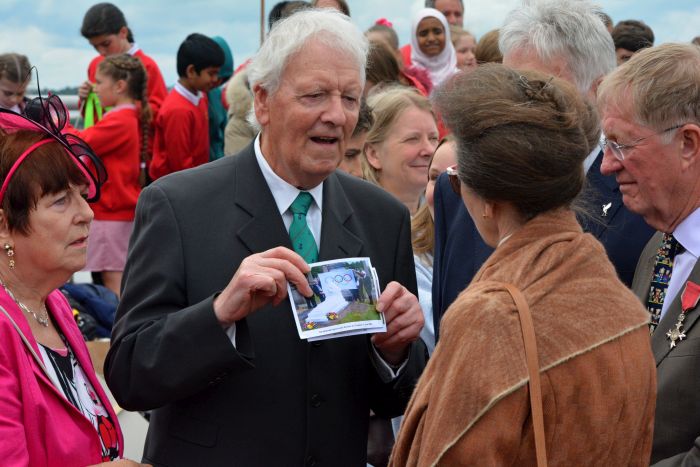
[38, 426]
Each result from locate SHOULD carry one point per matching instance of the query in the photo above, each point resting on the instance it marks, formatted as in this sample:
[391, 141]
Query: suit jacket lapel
[606, 198]
[337, 240]
[265, 228]
[660, 344]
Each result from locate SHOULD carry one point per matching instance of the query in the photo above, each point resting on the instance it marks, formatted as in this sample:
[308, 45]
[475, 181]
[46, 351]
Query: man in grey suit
[650, 110]
[205, 334]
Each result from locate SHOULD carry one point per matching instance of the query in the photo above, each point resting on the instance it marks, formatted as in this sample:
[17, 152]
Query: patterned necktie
[302, 240]
[663, 266]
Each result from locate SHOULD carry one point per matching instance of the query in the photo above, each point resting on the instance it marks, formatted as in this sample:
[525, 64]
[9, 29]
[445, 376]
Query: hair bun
[539, 90]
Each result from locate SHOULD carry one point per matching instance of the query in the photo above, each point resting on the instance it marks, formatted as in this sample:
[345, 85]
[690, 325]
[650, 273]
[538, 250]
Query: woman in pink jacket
[53, 411]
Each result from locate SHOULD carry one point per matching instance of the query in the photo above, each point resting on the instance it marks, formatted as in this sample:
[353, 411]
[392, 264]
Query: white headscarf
[442, 66]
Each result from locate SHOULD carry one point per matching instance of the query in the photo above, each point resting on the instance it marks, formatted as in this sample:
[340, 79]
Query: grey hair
[431, 3]
[289, 35]
[570, 29]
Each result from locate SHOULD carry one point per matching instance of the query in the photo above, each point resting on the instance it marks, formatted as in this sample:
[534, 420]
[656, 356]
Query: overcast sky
[48, 31]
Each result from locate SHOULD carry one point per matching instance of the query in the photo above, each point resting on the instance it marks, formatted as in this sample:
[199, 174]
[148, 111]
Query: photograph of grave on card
[344, 291]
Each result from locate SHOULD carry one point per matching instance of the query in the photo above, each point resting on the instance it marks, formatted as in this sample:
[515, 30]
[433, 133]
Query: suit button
[310, 461]
[316, 400]
[317, 344]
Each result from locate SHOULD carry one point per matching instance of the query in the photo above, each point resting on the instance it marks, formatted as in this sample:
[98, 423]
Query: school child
[120, 139]
[182, 125]
[14, 78]
[105, 27]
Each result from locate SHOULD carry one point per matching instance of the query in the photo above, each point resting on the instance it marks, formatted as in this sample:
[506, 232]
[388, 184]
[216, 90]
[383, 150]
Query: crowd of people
[530, 201]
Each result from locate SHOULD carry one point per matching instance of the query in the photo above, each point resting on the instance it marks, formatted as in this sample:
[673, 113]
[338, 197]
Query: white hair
[289, 35]
[567, 29]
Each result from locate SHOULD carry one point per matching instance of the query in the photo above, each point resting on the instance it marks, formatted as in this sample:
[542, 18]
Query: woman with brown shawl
[522, 138]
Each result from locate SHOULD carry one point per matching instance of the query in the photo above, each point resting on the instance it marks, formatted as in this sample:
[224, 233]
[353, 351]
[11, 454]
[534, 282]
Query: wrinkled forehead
[449, 5]
[320, 53]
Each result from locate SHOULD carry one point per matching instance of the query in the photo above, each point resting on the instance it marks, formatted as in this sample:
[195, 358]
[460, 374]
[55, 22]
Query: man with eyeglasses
[650, 110]
[567, 39]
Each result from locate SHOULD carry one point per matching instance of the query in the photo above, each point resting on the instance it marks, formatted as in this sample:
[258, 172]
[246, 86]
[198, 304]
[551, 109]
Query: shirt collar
[688, 233]
[590, 159]
[133, 49]
[117, 108]
[184, 92]
[283, 193]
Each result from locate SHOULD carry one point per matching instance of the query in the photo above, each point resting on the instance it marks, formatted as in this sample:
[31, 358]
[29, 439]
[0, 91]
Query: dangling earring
[10, 252]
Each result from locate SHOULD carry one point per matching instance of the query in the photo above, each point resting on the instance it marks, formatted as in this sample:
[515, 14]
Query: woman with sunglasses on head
[584, 373]
[53, 411]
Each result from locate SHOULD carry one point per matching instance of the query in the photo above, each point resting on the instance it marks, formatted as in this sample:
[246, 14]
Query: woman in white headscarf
[431, 47]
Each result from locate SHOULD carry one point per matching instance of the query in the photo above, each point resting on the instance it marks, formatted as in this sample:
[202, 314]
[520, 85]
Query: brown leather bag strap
[533, 370]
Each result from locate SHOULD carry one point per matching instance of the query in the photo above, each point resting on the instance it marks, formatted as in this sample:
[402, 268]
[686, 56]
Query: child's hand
[84, 90]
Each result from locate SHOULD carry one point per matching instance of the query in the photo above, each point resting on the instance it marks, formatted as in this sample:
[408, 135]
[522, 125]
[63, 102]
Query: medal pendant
[676, 333]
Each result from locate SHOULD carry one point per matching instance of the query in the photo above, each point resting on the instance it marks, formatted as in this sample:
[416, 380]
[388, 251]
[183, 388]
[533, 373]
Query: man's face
[352, 160]
[308, 120]
[453, 11]
[649, 175]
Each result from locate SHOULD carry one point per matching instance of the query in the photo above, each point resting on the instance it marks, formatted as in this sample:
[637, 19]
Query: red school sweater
[155, 87]
[181, 136]
[116, 141]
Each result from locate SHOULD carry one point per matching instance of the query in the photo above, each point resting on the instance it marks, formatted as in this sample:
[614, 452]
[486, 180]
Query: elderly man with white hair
[650, 109]
[205, 334]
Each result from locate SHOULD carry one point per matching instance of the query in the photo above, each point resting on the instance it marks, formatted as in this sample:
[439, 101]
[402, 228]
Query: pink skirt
[107, 245]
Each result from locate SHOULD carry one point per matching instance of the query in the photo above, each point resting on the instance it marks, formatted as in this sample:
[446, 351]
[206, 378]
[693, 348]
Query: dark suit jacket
[460, 251]
[274, 399]
[677, 422]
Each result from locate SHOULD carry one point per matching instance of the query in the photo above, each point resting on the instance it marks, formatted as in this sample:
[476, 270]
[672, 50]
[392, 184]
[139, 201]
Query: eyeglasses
[617, 149]
[454, 180]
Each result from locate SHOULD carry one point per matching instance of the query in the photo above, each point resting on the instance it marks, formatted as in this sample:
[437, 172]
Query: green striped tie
[302, 240]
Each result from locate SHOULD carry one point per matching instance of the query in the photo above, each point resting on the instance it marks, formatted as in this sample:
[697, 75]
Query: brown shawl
[577, 303]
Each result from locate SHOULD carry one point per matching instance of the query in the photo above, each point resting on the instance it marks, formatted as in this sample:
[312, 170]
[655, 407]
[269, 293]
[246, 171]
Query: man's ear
[372, 156]
[690, 146]
[489, 209]
[593, 92]
[261, 98]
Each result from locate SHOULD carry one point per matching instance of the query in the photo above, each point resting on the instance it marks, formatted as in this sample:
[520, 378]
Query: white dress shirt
[688, 235]
[284, 194]
[590, 159]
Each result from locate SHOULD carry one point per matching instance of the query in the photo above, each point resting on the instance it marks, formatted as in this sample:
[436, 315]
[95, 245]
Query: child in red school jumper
[182, 126]
[120, 139]
[105, 27]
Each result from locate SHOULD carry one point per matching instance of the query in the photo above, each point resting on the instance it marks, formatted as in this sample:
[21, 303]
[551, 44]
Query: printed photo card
[344, 300]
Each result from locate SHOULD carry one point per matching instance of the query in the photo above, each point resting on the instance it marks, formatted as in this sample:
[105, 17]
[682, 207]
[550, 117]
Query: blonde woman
[400, 143]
